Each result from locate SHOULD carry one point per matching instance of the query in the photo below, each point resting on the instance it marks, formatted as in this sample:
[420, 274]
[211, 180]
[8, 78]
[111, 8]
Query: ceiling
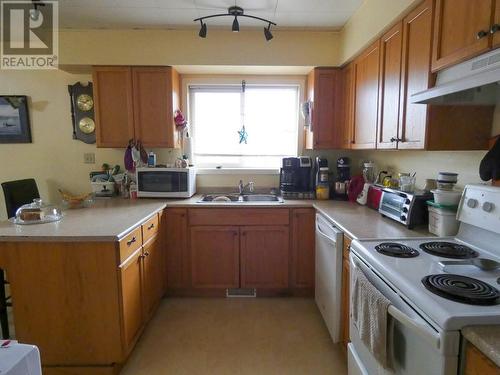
[121, 14]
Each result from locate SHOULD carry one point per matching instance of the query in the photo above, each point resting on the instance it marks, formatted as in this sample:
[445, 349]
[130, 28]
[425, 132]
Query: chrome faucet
[242, 187]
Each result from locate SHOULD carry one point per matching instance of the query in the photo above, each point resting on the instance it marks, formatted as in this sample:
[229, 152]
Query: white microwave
[166, 182]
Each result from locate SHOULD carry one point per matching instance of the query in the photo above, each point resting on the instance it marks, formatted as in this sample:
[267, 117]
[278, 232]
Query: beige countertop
[486, 339]
[111, 219]
[361, 222]
[107, 220]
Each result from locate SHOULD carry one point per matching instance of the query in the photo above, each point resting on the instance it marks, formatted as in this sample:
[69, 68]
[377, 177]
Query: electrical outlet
[89, 158]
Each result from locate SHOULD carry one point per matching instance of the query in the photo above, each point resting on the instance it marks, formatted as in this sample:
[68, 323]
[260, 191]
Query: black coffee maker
[297, 178]
[343, 178]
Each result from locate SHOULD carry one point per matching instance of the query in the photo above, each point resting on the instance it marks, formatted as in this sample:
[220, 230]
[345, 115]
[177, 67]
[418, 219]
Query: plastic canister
[443, 222]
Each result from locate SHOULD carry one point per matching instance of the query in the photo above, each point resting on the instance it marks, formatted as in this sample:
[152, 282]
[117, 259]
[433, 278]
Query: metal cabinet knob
[481, 34]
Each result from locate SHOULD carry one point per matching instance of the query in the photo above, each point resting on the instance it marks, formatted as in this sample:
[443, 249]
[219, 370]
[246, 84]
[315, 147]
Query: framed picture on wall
[14, 119]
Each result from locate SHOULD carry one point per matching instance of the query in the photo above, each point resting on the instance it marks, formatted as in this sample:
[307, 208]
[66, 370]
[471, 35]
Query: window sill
[238, 171]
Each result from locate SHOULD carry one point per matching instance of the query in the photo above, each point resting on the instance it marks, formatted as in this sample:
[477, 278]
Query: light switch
[89, 158]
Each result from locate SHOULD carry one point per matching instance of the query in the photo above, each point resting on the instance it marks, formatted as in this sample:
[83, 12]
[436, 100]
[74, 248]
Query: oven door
[391, 205]
[163, 183]
[415, 347]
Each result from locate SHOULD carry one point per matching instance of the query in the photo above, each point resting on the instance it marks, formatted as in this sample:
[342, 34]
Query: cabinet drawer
[149, 228]
[239, 216]
[130, 243]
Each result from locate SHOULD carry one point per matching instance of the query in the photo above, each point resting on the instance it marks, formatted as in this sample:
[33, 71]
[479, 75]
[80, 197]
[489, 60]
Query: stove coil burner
[448, 250]
[397, 250]
[462, 289]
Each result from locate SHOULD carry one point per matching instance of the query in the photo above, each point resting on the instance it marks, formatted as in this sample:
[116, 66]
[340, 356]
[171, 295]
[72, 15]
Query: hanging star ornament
[243, 135]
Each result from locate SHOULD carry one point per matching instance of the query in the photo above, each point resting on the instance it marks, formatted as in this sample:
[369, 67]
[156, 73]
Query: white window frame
[264, 80]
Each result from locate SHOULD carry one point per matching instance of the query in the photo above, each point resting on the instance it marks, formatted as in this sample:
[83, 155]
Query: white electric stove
[433, 298]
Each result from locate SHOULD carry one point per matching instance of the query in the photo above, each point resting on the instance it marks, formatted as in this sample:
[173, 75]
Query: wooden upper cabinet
[462, 30]
[347, 106]
[154, 106]
[136, 102]
[366, 77]
[215, 260]
[416, 75]
[391, 46]
[324, 90]
[264, 257]
[113, 105]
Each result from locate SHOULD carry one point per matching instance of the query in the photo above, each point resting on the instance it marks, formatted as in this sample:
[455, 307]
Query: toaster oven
[409, 209]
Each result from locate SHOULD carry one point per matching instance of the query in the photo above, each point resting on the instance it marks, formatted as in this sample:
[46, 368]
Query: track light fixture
[236, 25]
[203, 30]
[267, 33]
[235, 11]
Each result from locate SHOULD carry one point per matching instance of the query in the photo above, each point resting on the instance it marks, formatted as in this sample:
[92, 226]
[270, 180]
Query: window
[267, 113]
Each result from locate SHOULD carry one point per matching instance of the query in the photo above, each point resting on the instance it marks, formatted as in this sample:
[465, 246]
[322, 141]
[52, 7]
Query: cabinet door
[476, 363]
[113, 106]
[153, 106]
[131, 296]
[177, 255]
[461, 30]
[391, 46]
[416, 75]
[495, 28]
[348, 106]
[153, 275]
[215, 257]
[366, 75]
[303, 242]
[264, 257]
[346, 297]
[326, 109]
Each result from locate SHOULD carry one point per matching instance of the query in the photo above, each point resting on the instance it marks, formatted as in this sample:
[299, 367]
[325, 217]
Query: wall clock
[82, 112]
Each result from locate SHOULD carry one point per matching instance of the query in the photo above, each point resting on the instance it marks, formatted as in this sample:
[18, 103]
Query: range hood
[473, 82]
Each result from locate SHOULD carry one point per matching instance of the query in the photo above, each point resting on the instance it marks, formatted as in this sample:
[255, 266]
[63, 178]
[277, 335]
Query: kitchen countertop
[107, 220]
[486, 339]
[112, 219]
[361, 222]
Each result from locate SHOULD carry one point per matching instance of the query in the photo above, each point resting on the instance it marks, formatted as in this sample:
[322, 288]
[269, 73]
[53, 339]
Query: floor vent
[241, 292]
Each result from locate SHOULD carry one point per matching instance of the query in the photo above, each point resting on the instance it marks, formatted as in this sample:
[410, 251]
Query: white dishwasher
[328, 279]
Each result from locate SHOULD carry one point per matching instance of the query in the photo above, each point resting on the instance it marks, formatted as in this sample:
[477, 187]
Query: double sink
[239, 198]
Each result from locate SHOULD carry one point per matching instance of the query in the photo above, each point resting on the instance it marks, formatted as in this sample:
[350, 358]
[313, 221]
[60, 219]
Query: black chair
[16, 194]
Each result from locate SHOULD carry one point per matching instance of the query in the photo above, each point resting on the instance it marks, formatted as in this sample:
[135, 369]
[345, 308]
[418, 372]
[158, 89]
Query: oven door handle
[423, 331]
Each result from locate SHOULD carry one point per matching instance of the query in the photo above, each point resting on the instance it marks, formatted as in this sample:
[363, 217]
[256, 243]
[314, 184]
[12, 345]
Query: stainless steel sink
[236, 198]
[261, 198]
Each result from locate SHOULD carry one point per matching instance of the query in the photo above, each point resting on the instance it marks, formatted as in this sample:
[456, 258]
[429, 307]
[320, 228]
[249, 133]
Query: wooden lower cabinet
[131, 297]
[302, 248]
[176, 249]
[345, 292]
[212, 249]
[264, 257]
[153, 275]
[215, 258]
[476, 363]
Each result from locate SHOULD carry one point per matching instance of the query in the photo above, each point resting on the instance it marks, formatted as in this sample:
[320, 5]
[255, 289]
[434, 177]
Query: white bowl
[448, 176]
[447, 197]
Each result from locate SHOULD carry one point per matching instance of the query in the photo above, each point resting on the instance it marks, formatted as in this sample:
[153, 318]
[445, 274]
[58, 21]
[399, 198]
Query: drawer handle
[146, 254]
[151, 226]
[131, 241]
[495, 28]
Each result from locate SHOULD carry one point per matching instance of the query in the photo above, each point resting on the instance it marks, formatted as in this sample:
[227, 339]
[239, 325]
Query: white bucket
[443, 222]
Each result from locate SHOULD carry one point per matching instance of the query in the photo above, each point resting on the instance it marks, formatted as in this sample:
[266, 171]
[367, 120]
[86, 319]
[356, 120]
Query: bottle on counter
[323, 185]
[133, 190]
